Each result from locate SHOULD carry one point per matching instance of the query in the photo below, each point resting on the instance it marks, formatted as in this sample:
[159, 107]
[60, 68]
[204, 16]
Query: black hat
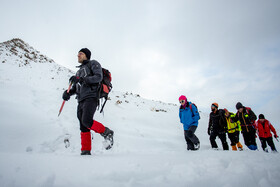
[87, 52]
[261, 116]
[239, 105]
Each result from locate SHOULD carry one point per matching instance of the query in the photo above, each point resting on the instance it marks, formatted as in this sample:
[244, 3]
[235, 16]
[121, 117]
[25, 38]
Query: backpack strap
[98, 90]
[191, 107]
[248, 110]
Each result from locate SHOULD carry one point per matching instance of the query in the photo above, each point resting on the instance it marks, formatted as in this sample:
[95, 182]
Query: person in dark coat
[85, 85]
[247, 120]
[217, 127]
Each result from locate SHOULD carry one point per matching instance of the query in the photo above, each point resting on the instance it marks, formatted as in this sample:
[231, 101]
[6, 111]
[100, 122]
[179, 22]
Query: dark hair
[261, 116]
[239, 105]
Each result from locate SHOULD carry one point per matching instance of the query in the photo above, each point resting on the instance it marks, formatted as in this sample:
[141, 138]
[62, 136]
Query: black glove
[76, 79]
[65, 96]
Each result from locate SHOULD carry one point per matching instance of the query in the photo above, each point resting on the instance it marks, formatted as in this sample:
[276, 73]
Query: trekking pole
[62, 105]
[103, 106]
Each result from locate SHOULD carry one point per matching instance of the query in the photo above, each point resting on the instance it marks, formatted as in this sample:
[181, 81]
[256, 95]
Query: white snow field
[149, 148]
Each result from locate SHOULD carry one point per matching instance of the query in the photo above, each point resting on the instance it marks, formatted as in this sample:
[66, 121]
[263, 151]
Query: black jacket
[247, 116]
[91, 72]
[217, 121]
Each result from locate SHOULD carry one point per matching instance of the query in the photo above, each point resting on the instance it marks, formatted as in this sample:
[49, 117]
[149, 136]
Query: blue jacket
[189, 117]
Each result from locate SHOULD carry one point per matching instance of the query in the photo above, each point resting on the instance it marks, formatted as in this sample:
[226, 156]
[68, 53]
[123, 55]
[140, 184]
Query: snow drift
[149, 148]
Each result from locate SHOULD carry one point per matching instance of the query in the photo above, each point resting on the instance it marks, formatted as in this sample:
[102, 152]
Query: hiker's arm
[210, 125]
[272, 129]
[195, 113]
[72, 91]
[180, 115]
[97, 74]
[252, 116]
[235, 118]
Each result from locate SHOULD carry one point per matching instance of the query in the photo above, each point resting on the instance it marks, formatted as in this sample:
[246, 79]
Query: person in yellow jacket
[233, 130]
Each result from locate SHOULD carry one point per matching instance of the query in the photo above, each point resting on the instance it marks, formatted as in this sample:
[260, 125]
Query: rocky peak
[22, 53]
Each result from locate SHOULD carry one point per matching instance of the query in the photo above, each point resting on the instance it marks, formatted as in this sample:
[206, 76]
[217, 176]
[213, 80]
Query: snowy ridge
[149, 147]
[26, 53]
[21, 63]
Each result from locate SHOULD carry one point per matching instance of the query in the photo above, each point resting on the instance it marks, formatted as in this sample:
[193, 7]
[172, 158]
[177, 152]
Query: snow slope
[149, 148]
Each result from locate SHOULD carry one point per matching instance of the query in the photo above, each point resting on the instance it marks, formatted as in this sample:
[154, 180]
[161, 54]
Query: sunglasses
[182, 101]
[214, 106]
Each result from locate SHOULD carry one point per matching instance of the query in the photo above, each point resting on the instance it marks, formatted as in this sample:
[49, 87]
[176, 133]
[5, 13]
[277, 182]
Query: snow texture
[149, 149]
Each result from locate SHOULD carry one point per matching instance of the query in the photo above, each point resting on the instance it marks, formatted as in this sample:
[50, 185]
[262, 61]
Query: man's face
[213, 108]
[261, 120]
[240, 110]
[81, 57]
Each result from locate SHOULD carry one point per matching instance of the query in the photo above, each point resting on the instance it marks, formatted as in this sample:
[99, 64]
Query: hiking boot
[84, 152]
[196, 146]
[240, 147]
[108, 136]
[266, 150]
[234, 147]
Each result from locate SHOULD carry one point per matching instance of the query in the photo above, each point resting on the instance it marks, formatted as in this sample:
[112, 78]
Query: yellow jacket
[231, 125]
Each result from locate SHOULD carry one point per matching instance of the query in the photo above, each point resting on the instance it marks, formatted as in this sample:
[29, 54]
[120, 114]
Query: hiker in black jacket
[217, 127]
[85, 85]
[247, 120]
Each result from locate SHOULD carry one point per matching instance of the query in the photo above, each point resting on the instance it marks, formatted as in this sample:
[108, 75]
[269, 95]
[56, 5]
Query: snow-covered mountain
[149, 148]
[18, 48]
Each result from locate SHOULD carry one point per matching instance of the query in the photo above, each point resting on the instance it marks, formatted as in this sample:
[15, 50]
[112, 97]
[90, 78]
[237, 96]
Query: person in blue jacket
[189, 116]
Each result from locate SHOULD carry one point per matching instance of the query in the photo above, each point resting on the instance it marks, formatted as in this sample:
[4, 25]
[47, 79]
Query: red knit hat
[182, 97]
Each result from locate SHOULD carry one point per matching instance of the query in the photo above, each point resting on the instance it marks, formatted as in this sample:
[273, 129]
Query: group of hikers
[86, 86]
[222, 122]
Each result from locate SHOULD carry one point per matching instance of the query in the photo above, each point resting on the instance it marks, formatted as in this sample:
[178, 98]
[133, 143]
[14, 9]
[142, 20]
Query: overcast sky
[221, 51]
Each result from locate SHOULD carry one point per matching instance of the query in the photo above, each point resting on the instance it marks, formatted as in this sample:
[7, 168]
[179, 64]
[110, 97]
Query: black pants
[85, 113]
[249, 136]
[223, 138]
[269, 141]
[191, 138]
[234, 138]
